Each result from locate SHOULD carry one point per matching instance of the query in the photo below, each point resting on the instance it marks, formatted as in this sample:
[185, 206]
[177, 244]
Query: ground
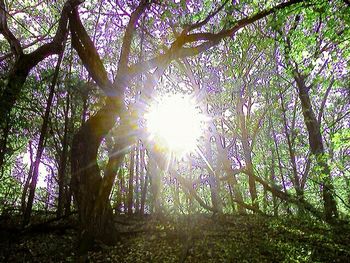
[192, 238]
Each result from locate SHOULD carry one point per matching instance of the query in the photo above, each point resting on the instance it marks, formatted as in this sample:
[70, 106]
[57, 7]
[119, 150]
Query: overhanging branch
[177, 49]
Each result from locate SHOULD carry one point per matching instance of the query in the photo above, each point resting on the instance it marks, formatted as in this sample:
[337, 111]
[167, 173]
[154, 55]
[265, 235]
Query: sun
[175, 123]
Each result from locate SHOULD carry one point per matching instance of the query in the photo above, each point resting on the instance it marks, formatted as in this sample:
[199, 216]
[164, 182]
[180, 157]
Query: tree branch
[13, 41]
[323, 104]
[207, 19]
[211, 39]
[56, 45]
[125, 51]
[87, 52]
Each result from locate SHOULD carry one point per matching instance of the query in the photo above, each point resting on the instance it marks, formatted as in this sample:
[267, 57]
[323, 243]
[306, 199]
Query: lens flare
[175, 123]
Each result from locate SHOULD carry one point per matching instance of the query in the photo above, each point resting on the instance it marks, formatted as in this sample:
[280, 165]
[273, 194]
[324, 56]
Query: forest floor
[194, 238]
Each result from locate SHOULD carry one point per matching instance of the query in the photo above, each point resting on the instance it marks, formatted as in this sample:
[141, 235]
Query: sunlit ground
[175, 123]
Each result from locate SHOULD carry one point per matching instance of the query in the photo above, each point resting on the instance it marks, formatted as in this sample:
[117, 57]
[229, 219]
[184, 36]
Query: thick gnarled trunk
[95, 215]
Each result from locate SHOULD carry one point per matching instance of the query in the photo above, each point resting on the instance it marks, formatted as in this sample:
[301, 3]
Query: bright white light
[175, 123]
[42, 170]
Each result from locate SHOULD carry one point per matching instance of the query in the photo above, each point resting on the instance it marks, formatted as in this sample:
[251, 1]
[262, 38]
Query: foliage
[272, 81]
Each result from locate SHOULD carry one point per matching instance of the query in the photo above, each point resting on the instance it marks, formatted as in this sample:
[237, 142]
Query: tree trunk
[63, 162]
[25, 62]
[68, 191]
[275, 140]
[231, 173]
[119, 199]
[231, 196]
[273, 179]
[154, 175]
[40, 148]
[316, 147]
[68, 199]
[8, 97]
[10, 94]
[265, 192]
[144, 182]
[295, 178]
[27, 180]
[3, 144]
[137, 178]
[90, 192]
[247, 153]
[213, 181]
[131, 181]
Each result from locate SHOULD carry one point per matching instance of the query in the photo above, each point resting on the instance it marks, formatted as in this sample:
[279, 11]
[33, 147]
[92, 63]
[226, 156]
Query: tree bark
[295, 178]
[94, 214]
[144, 182]
[25, 62]
[120, 189]
[137, 178]
[131, 181]
[247, 153]
[40, 148]
[27, 180]
[63, 162]
[316, 147]
[213, 180]
[155, 180]
[3, 144]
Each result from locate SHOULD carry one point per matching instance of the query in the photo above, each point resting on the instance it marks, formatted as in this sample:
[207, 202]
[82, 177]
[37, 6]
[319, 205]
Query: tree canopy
[174, 108]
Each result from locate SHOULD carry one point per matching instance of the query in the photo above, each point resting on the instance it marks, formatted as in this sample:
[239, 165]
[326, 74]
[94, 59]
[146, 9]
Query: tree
[244, 61]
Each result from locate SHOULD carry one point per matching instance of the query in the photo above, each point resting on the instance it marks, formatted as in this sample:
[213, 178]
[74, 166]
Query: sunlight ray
[200, 153]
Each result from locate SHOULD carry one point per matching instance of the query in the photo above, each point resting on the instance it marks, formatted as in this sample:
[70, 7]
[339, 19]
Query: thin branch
[211, 39]
[207, 19]
[56, 45]
[323, 104]
[125, 50]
